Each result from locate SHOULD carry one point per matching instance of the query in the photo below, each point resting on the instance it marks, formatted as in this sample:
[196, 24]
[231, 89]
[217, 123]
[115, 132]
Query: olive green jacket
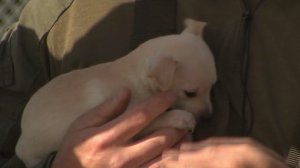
[256, 45]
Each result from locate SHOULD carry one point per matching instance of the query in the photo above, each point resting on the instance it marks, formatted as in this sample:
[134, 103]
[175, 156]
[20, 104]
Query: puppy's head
[183, 64]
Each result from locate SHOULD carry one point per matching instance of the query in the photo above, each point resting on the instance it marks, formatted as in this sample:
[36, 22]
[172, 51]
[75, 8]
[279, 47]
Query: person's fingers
[239, 143]
[227, 151]
[134, 120]
[153, 145]
[186, 138]
[151, 162]
[171, 154]
[104, 112]
[214, 141]
[155, 163]
[168, 164]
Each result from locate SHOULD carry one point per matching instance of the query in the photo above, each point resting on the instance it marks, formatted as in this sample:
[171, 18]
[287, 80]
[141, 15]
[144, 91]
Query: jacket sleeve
[23, 69]
[28, 48]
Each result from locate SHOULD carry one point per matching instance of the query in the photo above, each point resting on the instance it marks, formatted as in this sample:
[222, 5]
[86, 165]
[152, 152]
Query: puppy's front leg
[179, 119]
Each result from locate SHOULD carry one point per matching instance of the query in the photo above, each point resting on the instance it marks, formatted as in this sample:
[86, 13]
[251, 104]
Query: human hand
[221, 152]
[110, 145]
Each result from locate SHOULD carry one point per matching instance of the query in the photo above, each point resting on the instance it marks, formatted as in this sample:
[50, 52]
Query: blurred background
[9, 12]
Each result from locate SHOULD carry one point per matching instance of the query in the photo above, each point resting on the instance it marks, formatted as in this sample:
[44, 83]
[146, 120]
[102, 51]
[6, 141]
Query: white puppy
[181, 63]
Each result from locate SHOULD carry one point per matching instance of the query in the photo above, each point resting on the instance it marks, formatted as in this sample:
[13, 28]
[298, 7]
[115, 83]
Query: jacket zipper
[247, 18]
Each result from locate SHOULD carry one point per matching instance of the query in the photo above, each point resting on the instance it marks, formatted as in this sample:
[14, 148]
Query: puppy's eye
[190, 94]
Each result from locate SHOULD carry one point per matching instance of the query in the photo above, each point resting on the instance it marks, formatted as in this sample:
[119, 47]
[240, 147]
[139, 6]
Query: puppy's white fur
[181, 63]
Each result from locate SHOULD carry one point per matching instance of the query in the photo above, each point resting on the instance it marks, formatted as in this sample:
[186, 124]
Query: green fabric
[274, 69]
[40, 15]
[57, 36]
[47, 162]
[22, 69]
[149, 21]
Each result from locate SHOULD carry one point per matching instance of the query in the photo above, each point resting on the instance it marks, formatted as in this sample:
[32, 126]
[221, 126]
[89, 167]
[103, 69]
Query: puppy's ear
[161, 72]
[194, 27]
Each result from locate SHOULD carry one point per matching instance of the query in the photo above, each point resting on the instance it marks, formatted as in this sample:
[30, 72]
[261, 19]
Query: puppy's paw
[180, 119]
